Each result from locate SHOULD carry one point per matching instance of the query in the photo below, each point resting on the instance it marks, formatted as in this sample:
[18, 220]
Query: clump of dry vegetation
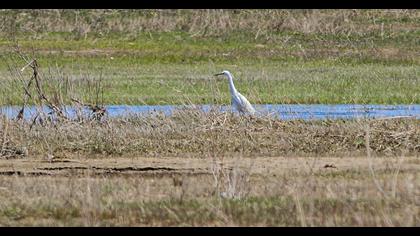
[197, 133]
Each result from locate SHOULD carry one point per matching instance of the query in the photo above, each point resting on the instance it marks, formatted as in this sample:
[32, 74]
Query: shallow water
[287, 111]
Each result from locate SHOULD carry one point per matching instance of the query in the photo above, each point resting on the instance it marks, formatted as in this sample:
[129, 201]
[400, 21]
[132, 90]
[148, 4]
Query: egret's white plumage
[238, 100]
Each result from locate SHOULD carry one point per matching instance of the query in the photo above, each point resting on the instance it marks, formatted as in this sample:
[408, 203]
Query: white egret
[238, 100]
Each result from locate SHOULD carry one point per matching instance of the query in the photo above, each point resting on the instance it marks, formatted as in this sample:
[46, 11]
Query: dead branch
[42, 98]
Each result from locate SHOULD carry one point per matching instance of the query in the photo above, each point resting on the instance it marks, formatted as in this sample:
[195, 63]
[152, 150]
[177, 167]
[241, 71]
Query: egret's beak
[218, 74]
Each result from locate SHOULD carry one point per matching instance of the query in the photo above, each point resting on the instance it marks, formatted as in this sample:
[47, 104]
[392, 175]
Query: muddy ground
[171, 166]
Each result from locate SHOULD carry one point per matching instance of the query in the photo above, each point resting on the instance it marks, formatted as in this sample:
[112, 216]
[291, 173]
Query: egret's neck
[231, 85]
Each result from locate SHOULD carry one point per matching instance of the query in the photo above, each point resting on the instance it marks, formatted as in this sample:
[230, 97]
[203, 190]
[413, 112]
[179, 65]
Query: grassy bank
[168, 57]
[262, 83]
[194, 133]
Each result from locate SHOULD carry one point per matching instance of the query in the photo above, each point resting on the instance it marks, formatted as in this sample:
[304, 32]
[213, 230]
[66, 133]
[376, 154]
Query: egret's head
[225, 72]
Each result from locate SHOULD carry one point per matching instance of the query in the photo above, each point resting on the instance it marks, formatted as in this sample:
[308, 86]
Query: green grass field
[356, 57]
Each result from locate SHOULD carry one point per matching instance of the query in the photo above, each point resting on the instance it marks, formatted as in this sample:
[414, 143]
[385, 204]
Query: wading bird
[238, 100]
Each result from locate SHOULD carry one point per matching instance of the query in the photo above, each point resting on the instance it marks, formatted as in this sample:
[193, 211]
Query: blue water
[286, 112]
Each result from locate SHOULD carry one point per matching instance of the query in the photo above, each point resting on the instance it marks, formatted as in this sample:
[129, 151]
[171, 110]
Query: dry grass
[192, 132]
[261, 23]
[274, 191]
[206, 177]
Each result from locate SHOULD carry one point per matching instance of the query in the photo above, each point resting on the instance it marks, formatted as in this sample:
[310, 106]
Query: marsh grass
[208, 22]
[168, 56]
[196, 133]
[265, 83]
